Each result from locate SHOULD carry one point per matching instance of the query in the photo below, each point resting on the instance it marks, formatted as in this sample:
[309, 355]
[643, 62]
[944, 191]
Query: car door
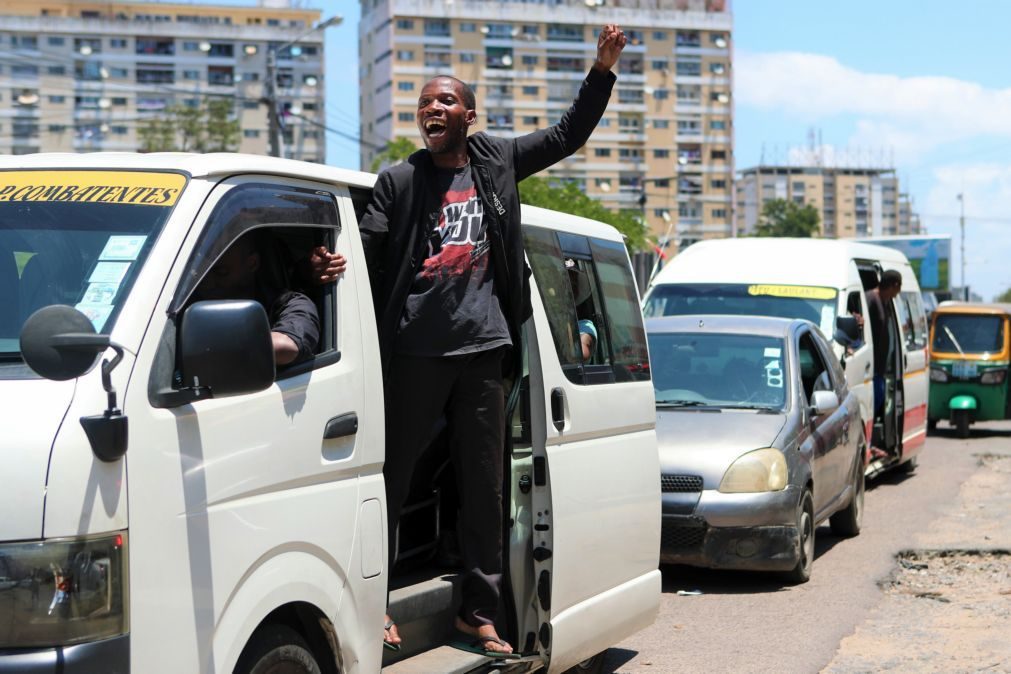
[913, 321]
[240, 503]
[596, 479]
[826, 430]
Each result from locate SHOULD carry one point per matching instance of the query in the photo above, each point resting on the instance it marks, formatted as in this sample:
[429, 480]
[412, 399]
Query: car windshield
[717, 370]
[77, 238]
[968, 334]
[812, 303]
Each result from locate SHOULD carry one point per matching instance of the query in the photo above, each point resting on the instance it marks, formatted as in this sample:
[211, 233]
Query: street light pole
[961, 225]
[270, 87]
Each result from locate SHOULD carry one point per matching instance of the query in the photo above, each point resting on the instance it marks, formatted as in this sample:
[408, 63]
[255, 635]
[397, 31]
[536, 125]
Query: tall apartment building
[82, 75]
[851, 202]
[668, 131]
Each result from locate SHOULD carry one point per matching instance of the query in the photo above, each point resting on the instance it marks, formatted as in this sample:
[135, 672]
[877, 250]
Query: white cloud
[910, 114]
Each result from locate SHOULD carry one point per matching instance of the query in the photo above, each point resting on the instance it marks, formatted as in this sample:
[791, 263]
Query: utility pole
[270, 86]
[961, 255]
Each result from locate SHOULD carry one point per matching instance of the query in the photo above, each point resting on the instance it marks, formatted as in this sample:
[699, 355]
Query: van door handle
[338, 427]
[558, 409]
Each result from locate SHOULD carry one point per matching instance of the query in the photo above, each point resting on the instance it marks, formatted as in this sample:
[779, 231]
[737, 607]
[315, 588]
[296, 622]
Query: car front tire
[805, 531]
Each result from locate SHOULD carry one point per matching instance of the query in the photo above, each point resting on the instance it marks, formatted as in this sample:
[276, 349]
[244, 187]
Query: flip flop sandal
[386, 644]
[477, 646]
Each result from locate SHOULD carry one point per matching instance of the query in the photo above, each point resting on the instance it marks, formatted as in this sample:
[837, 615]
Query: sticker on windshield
[138, 188]
[109, 272]
[772, 352]
[799, 292]
[122, 248]
[98, 314]
[100, 293]
[773, 374]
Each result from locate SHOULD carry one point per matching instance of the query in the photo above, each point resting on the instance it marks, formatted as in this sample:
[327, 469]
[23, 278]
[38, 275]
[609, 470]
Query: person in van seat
[880, 312]
[580, 294]
[445, 255]
[294, 321]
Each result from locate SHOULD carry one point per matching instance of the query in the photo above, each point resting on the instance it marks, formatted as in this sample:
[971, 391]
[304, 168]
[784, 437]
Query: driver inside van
[238, 274]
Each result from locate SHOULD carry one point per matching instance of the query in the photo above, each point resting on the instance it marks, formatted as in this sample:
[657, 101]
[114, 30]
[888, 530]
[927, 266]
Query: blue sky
[924, 84]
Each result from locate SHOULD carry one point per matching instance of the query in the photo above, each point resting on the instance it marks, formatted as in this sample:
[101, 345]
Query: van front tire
[277, 649]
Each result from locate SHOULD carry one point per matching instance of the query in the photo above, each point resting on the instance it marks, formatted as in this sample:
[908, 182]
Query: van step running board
[454, 661]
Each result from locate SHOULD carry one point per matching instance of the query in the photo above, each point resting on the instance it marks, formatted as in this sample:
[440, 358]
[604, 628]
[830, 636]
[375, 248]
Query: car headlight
[760, 470]
[937, 374]
[995, 376]
[63, 591]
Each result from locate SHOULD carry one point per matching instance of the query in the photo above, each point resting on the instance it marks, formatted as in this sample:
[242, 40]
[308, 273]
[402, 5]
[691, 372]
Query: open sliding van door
[596, 491]
[886, 429]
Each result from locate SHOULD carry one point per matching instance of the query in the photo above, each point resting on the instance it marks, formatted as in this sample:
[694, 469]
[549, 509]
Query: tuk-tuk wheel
[961, 423]
[931, 425]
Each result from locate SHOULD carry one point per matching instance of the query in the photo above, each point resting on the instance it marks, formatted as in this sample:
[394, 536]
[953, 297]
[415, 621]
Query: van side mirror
[225, 349]
[60, 343]
[848, 326]
[824, 402]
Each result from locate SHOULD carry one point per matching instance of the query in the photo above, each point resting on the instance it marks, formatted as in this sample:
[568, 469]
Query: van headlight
[63, 591]
[757, 471]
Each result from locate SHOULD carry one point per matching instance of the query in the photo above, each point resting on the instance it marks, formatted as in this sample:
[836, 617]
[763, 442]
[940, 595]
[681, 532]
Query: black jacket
[405, 208]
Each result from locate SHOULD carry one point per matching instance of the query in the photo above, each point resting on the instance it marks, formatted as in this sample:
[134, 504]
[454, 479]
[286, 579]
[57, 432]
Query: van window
[913, 319]
[812, 303]
[587, 289]
[621, 307]
[284, 224]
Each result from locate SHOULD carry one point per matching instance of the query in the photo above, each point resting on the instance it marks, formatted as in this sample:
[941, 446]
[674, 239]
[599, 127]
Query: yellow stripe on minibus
[800, 292]
[138, 188]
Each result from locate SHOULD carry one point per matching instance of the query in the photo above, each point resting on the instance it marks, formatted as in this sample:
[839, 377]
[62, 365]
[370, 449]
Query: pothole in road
[974, 579]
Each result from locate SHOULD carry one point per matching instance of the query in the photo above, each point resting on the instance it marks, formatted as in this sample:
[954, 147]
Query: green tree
[395, 152]
[781, 217]
[1004, 296]
[211, 127]
[568, 198]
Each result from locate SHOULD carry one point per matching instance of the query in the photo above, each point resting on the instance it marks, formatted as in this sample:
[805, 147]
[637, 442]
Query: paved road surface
[754, 623]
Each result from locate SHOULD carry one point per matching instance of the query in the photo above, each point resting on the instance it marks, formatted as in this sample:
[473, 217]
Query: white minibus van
[174, 502]
[821, 280]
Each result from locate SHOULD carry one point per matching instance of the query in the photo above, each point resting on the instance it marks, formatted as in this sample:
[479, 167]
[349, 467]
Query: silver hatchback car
[760, 440]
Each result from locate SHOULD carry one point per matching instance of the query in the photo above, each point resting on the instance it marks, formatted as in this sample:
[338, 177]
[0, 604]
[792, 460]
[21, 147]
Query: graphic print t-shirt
[452, 308]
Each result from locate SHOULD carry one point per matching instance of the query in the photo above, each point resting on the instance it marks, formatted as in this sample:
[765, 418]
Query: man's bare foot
[486, 636]
[391, 638]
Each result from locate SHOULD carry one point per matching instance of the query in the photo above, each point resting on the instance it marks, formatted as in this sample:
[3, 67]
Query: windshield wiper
[953, 340]
[681, 403]
[761, 408]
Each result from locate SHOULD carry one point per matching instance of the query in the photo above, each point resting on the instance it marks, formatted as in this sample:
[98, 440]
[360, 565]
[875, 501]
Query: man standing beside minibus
[445, 255]
[884, 339]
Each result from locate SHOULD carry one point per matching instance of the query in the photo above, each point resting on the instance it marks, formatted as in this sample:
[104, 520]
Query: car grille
[680, 483]
[682, 536]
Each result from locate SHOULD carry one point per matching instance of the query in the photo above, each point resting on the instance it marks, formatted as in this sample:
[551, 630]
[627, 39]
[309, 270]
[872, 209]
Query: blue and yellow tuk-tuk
[970, 350]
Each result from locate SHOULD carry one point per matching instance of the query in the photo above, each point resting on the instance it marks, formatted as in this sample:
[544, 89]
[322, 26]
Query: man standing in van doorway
[884, 339]
[445, 256]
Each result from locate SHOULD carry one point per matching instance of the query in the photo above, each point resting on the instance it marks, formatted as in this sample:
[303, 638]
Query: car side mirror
[225, 349]
[824, 402]
[849, 327]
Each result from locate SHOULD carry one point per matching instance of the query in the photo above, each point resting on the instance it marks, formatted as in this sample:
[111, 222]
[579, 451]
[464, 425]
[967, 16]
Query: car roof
[817, 262]
[991, 308]
[571, 224]
[764, 326]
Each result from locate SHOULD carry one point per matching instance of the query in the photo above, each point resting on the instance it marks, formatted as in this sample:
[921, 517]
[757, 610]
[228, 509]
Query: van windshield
[78, 238]
[968, 334]
[717, 370]
[812, 303]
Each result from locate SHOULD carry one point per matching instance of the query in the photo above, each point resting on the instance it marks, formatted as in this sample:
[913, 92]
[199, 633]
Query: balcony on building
[562, 32]
[156, 46]
[222, 76]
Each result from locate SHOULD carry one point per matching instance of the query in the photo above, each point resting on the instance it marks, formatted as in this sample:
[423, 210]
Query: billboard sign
[930, 257]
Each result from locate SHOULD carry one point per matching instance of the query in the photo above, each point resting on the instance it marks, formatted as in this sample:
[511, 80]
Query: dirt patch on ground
[947, 607]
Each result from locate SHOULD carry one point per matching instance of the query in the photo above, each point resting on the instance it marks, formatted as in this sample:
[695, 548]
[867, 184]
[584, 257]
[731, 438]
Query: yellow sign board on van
[138, 188]
[798, 292]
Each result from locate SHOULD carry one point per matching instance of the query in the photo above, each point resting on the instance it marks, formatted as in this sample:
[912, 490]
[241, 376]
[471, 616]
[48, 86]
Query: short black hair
[466, 91]
[891, 279]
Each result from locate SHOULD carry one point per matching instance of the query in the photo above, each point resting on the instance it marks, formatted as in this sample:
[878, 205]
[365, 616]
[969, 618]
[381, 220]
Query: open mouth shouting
[434, 128]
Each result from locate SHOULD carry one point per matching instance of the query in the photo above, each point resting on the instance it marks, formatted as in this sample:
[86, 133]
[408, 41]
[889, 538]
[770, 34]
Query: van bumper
[109, 656]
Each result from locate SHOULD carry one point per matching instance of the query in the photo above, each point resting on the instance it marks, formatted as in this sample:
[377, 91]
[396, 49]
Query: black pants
[469, 390]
